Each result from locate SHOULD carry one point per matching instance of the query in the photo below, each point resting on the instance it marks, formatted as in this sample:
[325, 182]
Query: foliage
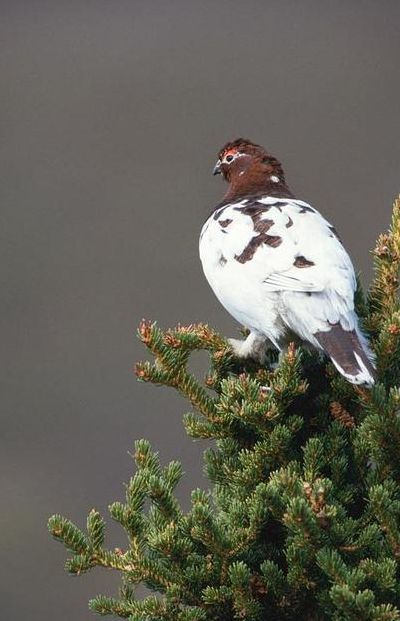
[303, 517]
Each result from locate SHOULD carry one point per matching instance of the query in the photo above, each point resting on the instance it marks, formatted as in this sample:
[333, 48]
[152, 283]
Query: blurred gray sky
[112, 113]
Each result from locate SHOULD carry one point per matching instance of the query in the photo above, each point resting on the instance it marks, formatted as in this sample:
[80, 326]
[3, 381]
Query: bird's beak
[217, 168]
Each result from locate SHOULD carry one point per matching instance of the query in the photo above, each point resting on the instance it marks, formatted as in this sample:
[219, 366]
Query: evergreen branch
[383, 296]
[171, 352]
[110, 606]
[65, 531]
[95, 529]
[387, 511]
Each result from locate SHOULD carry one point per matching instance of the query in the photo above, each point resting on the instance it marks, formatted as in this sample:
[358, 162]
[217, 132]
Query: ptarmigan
[279, 267]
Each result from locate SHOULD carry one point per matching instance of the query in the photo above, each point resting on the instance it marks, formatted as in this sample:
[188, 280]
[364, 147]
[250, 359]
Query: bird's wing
[318, 260]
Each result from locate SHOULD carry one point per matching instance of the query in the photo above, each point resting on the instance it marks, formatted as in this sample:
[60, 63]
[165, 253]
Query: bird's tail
[349, 352]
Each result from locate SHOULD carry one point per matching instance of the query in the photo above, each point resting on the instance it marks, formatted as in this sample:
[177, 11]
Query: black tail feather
[347, 354]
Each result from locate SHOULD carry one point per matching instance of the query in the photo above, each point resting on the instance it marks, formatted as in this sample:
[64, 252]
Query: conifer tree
[302, 518]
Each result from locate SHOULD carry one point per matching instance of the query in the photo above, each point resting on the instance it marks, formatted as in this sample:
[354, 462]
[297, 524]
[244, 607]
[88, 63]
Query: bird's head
[248, 167]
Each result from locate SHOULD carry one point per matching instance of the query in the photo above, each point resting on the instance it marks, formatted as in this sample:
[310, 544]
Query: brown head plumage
[250, 169]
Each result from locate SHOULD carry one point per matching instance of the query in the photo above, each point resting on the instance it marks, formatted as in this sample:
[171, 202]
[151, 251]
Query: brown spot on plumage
[225, 223]
[222, 260]
[273, 240]
[305, 209]
[302, 262]
[289, 223]
[254, 210]
[248, 253]
[261, 228]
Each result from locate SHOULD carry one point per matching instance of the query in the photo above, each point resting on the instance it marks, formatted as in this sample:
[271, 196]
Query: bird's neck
[256, 184]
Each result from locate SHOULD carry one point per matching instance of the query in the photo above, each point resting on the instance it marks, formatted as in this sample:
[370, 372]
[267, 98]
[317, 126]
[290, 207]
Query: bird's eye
[229, 158]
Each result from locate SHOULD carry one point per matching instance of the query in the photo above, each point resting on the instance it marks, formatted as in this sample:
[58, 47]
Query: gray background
[112, 114]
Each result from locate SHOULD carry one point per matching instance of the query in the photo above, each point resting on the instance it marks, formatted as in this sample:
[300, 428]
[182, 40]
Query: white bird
[279, 268]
